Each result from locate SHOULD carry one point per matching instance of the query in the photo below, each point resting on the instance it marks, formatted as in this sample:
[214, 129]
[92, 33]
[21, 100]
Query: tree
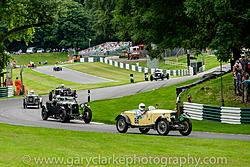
[101, 12]
[220, 24]
[74, 29]
[20, 17]
[162, 22]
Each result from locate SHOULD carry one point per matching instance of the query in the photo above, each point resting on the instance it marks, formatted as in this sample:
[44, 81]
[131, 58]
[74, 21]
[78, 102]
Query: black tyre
[162, 77]
[144, 130]
[45, 114]
[162, 127]
[87, 115]
[167, 76]
[24, 104]
[151, 78]
[121, 125]
[50, 96]
[64, 116]
[188, 127]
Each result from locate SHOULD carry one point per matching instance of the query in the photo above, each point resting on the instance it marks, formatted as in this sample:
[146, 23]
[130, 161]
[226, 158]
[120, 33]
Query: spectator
[239, 81]
[189, 99]
[247, 85]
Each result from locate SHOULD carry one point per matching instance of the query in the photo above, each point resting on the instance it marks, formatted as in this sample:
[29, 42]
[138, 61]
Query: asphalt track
[11, 111]
[71, 75]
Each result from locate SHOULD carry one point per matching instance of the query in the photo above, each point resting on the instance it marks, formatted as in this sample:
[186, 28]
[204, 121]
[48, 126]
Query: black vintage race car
[57, 68]
[158, 74]
[62, 91]
[62, 105]
[32, 100]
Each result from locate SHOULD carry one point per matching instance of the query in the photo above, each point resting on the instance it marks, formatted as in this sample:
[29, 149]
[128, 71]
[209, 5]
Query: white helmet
[62, 85]
[142, 106]
[32, 92]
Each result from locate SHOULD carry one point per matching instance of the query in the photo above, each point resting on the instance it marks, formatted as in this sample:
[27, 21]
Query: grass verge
[23, 146]
[24, 59]
[107, 71]
[210, 92]
[210, 62]
[43, 83]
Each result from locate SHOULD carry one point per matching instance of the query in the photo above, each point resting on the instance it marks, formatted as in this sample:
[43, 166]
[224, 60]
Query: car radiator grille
[31, 100]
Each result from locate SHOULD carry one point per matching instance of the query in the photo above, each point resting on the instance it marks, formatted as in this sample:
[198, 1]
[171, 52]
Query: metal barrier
[134, 67]
[230, 115]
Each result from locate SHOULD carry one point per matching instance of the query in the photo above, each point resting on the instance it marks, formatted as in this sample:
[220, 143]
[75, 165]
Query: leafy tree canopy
[18, 19]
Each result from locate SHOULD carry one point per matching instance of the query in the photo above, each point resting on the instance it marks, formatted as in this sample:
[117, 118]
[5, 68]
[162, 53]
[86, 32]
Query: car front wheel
[45, 114]
[188, 127]
[121, 125]
[151, 78]
[87, 115]
[162, 127]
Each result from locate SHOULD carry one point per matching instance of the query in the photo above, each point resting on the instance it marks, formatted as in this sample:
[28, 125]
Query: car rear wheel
[45, 114]
[121, 125]
[24, 104]
[162, 127]
[87, 115]
[144, 130]
[188, 127]
[50, 96]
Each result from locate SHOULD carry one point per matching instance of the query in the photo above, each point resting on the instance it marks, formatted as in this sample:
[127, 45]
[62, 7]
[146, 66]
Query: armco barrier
[136, 68]
[229, 115]
[3, 92]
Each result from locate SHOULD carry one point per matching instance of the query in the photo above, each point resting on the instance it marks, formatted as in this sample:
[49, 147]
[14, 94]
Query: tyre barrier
[136, 68]
[3, 92]
[10, 91]
[230, 115]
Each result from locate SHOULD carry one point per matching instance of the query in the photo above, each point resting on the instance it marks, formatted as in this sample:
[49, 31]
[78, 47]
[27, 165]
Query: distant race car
[33, 100]
[160, 120]
[57, 68]
[31, 65]
[158, 74]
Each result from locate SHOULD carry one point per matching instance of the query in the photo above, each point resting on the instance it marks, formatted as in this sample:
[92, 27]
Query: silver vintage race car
[32, 100]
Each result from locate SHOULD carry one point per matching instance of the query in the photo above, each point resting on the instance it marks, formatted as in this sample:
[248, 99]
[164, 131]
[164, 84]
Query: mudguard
[125, 116]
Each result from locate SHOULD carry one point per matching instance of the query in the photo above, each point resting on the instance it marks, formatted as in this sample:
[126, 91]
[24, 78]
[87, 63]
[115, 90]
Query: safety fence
[6, 91]
[229, 115]
[136, 68]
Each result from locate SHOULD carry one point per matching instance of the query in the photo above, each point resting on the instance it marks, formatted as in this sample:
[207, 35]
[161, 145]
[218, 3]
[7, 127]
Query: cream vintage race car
[158, 119]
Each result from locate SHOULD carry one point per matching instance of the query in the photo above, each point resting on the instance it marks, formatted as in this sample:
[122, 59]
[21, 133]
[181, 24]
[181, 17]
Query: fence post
[131, 78]
[88, 95]
[146, 76]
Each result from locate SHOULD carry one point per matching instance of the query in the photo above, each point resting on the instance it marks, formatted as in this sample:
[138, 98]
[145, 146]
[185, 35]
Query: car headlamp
[82, 105]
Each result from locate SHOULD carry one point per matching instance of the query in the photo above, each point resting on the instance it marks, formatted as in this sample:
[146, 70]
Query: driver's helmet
[32, 92]
[62, 85]
[142, 106]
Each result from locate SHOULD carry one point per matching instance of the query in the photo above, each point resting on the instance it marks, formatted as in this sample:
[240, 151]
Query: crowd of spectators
[106, 48]
[241, 71]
